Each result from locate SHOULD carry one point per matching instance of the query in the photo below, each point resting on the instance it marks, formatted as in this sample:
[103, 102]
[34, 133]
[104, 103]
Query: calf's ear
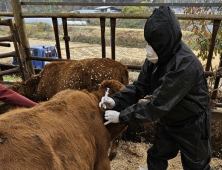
[113, 85]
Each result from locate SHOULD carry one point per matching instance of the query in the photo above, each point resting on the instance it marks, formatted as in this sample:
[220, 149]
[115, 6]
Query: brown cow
[66, 132]
[74, 74]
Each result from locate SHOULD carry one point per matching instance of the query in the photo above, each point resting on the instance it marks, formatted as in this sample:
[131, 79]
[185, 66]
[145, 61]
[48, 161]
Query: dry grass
[79, 51]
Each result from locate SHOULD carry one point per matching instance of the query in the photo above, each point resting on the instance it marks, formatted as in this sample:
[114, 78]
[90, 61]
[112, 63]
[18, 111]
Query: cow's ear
[113, 85]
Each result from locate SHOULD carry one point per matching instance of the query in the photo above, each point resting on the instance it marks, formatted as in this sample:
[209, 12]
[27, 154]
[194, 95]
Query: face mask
[151, 54]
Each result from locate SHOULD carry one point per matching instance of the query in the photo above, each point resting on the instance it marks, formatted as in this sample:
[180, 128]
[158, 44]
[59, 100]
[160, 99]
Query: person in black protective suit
[180, 100]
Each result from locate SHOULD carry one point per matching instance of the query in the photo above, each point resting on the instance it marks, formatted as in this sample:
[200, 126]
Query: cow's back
[79, 74]
[96, 70]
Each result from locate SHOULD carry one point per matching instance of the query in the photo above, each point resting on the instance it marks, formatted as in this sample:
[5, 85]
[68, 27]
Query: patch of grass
[12, 78]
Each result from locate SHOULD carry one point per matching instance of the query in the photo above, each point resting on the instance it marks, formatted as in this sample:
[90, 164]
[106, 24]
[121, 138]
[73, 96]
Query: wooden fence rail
[123, 4]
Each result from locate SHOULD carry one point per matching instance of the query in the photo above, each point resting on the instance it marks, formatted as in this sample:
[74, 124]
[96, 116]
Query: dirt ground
[130, 155]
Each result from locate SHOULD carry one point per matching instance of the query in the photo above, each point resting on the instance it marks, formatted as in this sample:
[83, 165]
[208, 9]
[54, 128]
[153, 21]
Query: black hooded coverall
[180, 99]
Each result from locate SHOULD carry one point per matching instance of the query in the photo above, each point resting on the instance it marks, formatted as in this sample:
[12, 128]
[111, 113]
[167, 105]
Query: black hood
[162, 32]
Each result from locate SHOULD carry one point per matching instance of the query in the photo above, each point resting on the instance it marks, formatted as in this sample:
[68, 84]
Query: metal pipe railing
[66, 37]
[103, 40]
[216, 26]
[47, 59]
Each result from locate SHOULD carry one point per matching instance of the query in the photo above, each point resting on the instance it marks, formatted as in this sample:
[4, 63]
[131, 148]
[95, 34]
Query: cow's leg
[113, 150]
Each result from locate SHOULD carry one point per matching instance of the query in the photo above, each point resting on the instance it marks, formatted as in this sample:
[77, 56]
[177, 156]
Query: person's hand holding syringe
[106, 101]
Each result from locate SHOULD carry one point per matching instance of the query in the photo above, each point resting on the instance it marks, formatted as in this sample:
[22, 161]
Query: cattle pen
[22, 47]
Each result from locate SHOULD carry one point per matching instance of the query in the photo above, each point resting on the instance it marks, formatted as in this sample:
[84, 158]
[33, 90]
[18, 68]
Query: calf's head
[27, 88]
[114, 86]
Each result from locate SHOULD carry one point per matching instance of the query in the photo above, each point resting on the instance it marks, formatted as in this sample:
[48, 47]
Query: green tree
[201, 32]
[132, 10]
[137, 9]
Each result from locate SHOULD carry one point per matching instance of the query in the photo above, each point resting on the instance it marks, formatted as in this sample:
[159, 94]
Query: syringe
[106, 95]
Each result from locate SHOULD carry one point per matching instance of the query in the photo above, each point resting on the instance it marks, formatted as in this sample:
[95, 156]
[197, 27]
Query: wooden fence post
[24, 47]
